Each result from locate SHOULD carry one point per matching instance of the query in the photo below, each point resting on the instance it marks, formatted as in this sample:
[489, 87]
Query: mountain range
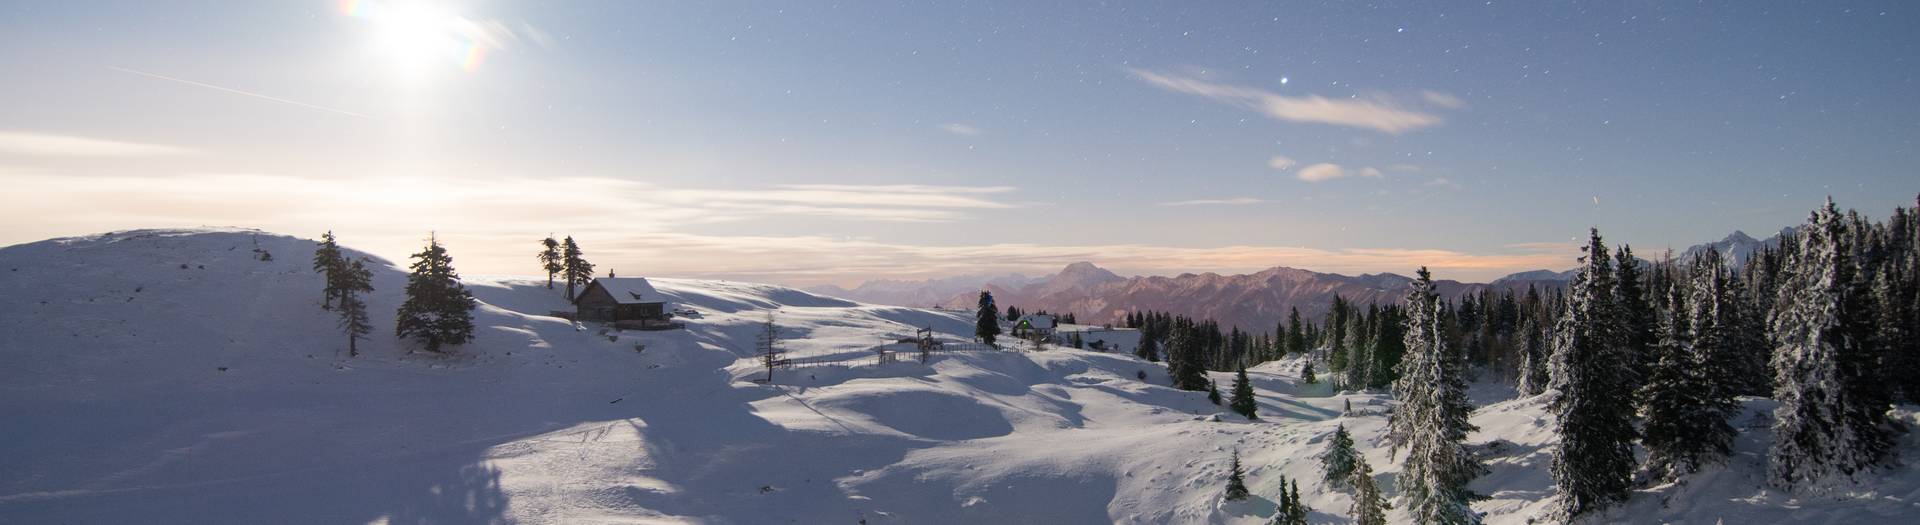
[1255, 301]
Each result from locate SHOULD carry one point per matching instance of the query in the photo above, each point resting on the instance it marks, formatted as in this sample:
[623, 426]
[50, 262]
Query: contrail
[239, 92]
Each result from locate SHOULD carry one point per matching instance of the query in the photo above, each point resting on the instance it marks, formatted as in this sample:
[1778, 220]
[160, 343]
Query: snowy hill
[175, 377]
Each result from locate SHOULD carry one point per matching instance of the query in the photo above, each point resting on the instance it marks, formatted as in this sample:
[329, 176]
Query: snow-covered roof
[1037, 321]
[630, 290]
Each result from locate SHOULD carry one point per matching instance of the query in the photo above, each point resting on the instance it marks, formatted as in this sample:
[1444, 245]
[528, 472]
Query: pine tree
[1148, 349]
[1296, 339]
[574, 268]
[1360, 362]
[1283, 510]
[1431, 421]
[1635, 313]
[1590, 380]
[1242, 401]
[356, 279]
[1822, 428]
[1213, 393]
[438, 310]
[1306, 373]
[328, 261]
[1184, 360]
[1369, 505]
[1338, 462]
[986, 324]
[550, 259]
[1236, 480]
[1686, 415]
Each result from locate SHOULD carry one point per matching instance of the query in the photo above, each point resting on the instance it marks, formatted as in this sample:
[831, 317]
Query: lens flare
[415, 36]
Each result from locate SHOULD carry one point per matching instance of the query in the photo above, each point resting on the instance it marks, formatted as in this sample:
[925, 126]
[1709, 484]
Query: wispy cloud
[1380, 114]
[1207, 202]
[1281, 162]
[961, 129]
[1442, 99]
[52, 145]
[1442, 182]
[1326, 171]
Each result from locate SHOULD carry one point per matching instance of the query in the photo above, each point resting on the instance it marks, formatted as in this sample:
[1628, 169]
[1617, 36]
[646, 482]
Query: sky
[814, 142]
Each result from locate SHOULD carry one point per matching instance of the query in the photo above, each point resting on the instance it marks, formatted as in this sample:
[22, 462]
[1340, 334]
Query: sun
[418, 37]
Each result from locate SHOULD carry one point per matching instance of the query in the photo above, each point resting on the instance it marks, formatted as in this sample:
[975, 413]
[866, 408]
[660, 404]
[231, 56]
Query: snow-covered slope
[173, 377]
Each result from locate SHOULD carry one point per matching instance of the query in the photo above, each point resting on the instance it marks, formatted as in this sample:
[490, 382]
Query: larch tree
[438, 310]
[1592, 380]
[1431, 421]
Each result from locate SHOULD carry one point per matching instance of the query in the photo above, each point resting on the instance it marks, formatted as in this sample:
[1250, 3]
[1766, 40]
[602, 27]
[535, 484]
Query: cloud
[960, 129]
[1204, 202]
[1379, 114]
[1328, 171]
[1442, 182]
[1442, 99]
[1281, 162]
[51, 145]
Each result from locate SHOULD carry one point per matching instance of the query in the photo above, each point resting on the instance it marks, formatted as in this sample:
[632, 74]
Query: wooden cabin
[627, 302]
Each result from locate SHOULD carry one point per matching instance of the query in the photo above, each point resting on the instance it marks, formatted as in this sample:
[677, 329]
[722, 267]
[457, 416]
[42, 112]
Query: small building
[1098, 338]
[1033, 325]
[627, 302]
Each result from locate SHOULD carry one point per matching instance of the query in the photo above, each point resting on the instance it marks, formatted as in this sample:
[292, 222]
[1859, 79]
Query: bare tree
[770, 351]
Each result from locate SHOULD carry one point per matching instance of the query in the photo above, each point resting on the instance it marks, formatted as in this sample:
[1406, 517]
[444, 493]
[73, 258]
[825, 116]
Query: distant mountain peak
[1086, 272]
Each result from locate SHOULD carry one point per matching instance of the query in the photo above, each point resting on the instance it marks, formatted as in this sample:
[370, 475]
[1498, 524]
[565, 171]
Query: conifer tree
[574, 268]
[1149, 349]
[1213, 393]
[986, 325]
[1824, 427]
[1369, 505]
[1591, 379]
[1533, 357]
[355, 280]
[1338, 462]
[1360, 362]
[551, 259]
[1243, 402]
[1236, 480]
[328, 261]
[438, 310]
[1283, 510]
[1431, 421]
[1306, 373]
[1635, 313]
[1685, 426]
[1296, 338]
[1298, 511]
[1184, 360]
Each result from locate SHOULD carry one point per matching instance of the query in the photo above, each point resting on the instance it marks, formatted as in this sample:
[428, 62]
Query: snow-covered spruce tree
[1338, 462]
[1213, 393]
[1359, 355]
[986, 319]
[328, 261]
[1242, 401]
[574, 268]
[1431, 421]
[1236, 480]
[1149, 349]
[1821, 430]
[1591, 385]
[438, 310]
[355, 280]
[1369, 505]
[1686, 417]
[1638, 323]
[550, 259]
[1306, 372]
[1533, 357]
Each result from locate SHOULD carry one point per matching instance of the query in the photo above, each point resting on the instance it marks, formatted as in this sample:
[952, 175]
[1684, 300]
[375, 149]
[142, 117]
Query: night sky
[815, 142]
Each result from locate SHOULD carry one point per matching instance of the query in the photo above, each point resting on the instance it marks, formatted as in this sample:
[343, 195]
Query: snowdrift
[174, 376]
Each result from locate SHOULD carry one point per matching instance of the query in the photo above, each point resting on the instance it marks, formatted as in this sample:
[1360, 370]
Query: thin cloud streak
[246, 93]
[1379, 115]
[1204, 202]
[53, 145]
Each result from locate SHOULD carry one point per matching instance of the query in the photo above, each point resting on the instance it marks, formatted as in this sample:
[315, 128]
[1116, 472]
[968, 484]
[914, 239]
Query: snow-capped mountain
[1737, 248]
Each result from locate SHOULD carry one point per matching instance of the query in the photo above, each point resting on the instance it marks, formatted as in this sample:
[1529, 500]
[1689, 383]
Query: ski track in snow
[119, 410]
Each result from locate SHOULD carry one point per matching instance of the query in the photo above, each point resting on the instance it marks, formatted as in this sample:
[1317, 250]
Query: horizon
[807, 145]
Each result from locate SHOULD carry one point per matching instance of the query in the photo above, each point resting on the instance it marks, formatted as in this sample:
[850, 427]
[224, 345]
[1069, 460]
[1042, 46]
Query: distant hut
[627, 302]
[1034, 324]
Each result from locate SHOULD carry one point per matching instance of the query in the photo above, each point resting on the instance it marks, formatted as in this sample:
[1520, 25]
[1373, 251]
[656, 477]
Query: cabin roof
[629, 290]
